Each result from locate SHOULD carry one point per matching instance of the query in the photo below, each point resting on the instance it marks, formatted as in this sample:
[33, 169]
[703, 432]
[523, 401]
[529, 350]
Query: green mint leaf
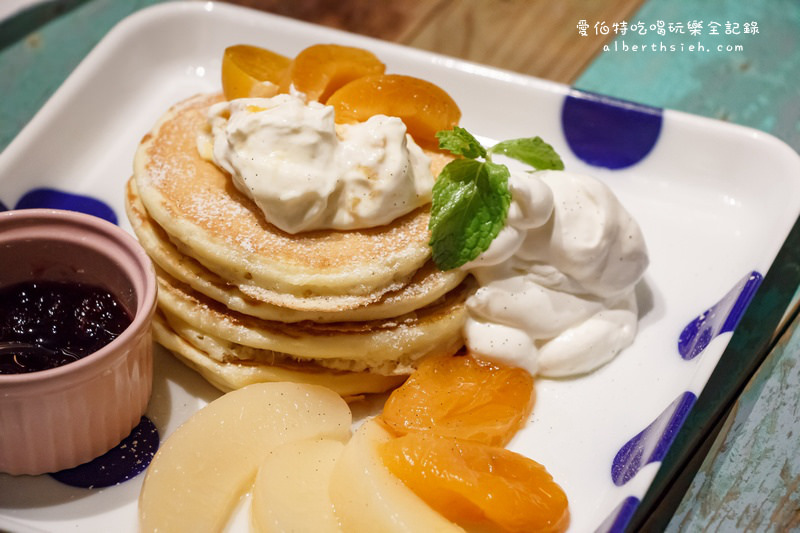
[470, 205]
[460, 142]
[471, 197]
[533, 151]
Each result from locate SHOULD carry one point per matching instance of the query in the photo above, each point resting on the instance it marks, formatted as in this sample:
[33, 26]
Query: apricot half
[462, 397]
[425, 108]
[474, 484]
[245, 68]
[319, 70]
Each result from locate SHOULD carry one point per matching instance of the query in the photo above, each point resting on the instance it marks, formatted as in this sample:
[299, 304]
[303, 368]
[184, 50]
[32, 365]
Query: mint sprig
[533, 151]
[459, 141]
[471, 196]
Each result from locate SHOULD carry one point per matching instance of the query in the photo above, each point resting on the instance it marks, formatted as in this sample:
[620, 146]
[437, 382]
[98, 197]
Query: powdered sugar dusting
[197, 203]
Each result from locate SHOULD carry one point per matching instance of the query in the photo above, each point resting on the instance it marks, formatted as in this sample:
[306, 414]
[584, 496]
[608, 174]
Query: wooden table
[735, 465]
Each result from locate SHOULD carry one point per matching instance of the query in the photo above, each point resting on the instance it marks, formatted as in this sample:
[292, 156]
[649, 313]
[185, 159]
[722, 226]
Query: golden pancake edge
[197, 204]
[241, 301]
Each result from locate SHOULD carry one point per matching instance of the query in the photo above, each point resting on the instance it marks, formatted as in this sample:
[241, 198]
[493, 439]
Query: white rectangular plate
[715, 203]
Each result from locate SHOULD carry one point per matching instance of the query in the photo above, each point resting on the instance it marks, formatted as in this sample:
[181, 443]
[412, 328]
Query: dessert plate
[715, 203]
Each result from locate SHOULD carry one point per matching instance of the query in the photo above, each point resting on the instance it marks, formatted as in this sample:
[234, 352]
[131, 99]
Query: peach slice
[198, 476]
[425, 108]
[246, 68]
[368, 498]
[319, 70]
[291, 489]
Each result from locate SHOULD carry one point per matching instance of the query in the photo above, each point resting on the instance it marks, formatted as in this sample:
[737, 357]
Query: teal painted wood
[749, 480]
[32, 68]
[758, 86]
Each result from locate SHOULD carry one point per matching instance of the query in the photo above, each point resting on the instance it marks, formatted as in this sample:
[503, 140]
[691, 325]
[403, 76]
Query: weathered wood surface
[536, 37]
[750, 480]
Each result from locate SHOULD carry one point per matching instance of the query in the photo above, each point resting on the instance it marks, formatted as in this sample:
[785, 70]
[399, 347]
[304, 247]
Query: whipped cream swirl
[556, 292]
[305, 173]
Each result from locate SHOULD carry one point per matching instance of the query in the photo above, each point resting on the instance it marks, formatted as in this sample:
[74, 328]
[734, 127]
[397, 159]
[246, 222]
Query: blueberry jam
[55, 323]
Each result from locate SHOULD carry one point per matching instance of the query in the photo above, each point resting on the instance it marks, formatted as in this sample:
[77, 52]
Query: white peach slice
[291, 489]
[202, 470]
[368, 498]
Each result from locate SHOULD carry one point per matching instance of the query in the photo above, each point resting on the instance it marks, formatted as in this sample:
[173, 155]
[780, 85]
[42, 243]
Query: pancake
[431, 330]
[426, 285]
[228, 376]
[242, 302]
[225, 351]
[208, 219]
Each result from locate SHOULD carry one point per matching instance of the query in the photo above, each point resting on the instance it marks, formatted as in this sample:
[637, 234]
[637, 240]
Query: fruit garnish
[319, 70]
[471, 195]
[200, 472]
[425, 108]
[291, 490]
[473, 483]
[462, 397]
[245, 68]
[368, 498]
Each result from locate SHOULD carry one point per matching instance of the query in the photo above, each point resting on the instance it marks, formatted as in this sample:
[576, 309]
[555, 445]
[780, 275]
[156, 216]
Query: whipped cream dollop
[306, 173]
[556, 292]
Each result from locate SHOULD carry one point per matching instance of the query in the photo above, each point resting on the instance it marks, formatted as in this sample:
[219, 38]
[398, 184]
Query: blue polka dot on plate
[123, 462]
[618, 520]
[721, 318]
[652, 443]
[57, 199]
[607, 132]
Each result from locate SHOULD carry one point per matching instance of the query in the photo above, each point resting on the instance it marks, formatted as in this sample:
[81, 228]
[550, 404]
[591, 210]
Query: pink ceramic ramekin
[62, 417]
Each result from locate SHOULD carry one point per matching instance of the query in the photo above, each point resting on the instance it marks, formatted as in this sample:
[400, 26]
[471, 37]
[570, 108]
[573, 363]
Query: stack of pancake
[241, 301]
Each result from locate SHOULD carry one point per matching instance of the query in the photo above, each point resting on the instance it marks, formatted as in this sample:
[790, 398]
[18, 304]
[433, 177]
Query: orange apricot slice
[425, 108]
[474, 484]
[462, 397]
[319, 70]
[245, 68]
